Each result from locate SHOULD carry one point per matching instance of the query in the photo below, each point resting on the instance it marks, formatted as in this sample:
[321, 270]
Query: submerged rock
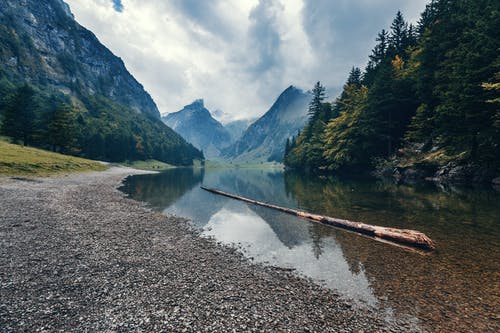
[463, 173]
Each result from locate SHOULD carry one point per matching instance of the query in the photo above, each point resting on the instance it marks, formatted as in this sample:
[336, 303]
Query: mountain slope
[236, 128]
[42, 45]
[195, 123]
[54, 50]
[265, 139]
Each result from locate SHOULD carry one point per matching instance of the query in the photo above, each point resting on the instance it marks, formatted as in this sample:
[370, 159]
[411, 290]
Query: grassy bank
[150, 165]
[215, 164]
[16, 160]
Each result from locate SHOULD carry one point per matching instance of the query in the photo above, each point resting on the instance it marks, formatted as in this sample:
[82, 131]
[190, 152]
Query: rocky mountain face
[43, 46]
[237, 127]
[265, 139]
[195, 124]
[47, 47]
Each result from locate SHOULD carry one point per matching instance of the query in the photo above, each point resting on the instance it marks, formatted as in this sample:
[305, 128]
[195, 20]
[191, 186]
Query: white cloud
[238, 55]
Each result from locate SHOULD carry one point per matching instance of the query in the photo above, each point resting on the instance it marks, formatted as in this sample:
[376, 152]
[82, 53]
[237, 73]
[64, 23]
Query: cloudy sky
[238, 55]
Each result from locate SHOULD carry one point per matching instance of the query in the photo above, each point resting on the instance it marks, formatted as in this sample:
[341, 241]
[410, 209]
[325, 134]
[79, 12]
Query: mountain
[221, 116]
[54, 50]
[41, 45]
[236, 128]
[195, 123]
[265, 139]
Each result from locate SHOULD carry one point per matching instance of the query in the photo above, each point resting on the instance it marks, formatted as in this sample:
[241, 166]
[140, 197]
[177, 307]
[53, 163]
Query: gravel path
[76, 255]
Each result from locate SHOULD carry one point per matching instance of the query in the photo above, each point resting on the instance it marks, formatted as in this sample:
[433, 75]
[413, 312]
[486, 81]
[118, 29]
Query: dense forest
[429, 97]
[88, 126]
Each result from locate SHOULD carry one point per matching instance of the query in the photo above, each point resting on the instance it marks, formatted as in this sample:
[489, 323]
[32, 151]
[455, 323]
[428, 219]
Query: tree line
[433, 87]
[56, 128]
[88, 126]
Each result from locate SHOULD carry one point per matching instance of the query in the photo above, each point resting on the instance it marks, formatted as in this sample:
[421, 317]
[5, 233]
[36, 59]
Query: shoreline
[77, 254]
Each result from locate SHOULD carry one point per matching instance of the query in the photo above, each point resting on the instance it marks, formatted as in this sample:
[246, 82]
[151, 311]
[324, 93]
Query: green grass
[242, 165]
[150, 165]
[16, 160]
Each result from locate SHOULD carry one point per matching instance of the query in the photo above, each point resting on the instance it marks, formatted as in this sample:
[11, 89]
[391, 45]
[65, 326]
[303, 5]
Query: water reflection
[265, 235]
[161, 190]
[454, 289]
[237, 223]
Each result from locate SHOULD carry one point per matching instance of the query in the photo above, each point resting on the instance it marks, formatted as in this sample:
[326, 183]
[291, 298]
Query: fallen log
[406, 237]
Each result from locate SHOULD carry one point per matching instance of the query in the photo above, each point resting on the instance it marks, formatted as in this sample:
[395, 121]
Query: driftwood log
[405, 237]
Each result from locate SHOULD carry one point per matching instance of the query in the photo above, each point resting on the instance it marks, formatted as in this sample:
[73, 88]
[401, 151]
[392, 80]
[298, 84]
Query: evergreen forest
[429, 96]
[88, 126]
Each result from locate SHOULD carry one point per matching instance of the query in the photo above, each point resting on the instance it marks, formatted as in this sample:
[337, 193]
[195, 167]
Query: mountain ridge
[196, 125]
[43, 46]
[264, 140]
[70, 57]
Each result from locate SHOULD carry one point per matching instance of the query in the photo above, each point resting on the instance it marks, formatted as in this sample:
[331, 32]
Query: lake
[454, 288]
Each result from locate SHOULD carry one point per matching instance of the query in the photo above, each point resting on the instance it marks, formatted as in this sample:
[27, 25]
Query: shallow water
[455, 288]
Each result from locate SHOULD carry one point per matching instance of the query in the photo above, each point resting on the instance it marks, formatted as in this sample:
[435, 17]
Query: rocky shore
[77, 255]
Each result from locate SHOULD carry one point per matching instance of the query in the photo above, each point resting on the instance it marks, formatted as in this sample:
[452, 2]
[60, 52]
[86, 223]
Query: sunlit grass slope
[16, 160]
[151, 165]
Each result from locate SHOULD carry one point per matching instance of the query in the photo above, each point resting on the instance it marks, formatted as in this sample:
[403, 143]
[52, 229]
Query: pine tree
[355, 77]
[379, 52]
[347, 138]
[19, 115]
[458, 53]
[62, 129]
[316, 104]
[399, 35]
[379, 55]
[287, 146]
[428, 16]
[411, 37]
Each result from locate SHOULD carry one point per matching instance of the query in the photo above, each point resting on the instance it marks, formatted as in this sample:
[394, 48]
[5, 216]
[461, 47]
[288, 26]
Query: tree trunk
[406, 237]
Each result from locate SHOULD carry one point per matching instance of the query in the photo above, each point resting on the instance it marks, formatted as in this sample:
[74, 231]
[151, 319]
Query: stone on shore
[77, 255]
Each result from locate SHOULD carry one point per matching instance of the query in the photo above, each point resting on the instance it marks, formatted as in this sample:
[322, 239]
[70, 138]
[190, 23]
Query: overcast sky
[239, 55]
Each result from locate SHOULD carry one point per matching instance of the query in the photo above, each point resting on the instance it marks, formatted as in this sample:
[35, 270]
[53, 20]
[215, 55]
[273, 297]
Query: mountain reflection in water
[453, 289]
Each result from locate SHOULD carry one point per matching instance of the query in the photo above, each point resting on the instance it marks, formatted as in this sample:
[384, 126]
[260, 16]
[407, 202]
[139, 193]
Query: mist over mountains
[243, 141]
[195, 124]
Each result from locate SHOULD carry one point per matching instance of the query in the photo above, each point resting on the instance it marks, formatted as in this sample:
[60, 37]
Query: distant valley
[265, 139]
[243, 141]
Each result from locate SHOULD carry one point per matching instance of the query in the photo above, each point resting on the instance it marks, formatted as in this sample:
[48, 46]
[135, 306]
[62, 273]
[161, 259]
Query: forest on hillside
[89, 126]
[428, 97]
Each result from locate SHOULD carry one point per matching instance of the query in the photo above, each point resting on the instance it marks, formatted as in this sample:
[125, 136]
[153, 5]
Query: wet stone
[94, 260]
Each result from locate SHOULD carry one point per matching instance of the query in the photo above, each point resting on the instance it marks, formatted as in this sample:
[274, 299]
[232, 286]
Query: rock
[462, 173]
[412, 175]
[60, 52]
[98, 261]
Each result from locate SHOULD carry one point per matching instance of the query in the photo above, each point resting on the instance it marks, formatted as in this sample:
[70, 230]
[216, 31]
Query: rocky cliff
[43, 45]
[114, 118]
[195, 124]
[265, 139]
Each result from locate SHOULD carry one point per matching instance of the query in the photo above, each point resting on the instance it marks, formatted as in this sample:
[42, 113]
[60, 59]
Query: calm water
[455, 288]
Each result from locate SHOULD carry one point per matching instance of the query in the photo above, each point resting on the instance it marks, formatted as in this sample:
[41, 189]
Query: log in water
[406, 237]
